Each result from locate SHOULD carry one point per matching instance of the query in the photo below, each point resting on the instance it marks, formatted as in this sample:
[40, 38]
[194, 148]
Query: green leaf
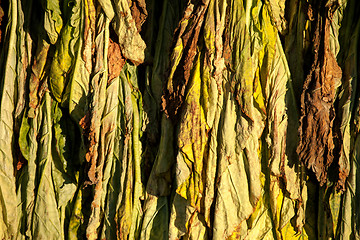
[66, 48]
[46, 216]
[9, 205]
[52, 19]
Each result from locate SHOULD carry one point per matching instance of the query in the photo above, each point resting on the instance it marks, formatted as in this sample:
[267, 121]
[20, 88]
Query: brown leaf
[115, 60]
[86, 123]
[21, 162]
[138, 12]
[318, 136]
[186, 35]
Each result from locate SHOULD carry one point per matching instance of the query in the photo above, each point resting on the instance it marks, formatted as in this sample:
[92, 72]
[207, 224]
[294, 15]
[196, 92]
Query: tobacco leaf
[9, 210]
[75, 94]
[47, 178]
[115, 169]
[128, 209]
[277, 12]
[53, 21]
[296, 45]
[24, 56]
[37, 76]
[156, 205]
[318, 138]
[182, 57]
[76, 218]
[110, 140]
[213, 68]
[107, 7]
[66, 46]
[95, 149]
[115, 60]
[192, 140]
[344, 43]
[349, 42]
[223, 160]
[138, 12]
[45, 204]
[28, 146]
[123, 154]
[242, 118]
[130, 41]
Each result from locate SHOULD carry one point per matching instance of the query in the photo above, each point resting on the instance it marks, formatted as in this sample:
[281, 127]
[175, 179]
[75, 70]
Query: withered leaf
[318, 136]
[182, 58]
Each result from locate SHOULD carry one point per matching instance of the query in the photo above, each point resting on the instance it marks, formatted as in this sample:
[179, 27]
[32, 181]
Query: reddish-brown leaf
[318, 136]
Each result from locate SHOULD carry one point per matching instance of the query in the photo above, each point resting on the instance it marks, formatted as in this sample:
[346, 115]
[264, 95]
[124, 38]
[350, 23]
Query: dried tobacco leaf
[115, 60]
[225, 166]
[138, 12]
[182, 58]
[130, 41]
[37, 76]
[318, 136]
[95, 155]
